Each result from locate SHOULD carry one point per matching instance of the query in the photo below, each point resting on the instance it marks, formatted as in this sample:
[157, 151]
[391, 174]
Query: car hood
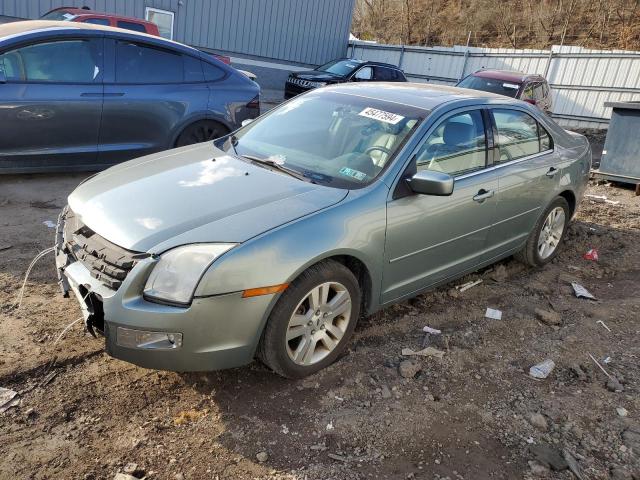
[190, 195]
[317, 76]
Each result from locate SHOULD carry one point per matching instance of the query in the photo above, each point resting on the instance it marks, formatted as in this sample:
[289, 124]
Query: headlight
[176, 275]
[318, 84]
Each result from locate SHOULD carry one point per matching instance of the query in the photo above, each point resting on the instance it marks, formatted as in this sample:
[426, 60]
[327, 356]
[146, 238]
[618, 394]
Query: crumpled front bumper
[220, 331]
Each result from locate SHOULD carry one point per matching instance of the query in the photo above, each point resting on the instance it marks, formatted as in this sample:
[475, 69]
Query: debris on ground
[581, 292]
[466, 286]
[409, 368]
[539, 421]
[549, 317]
[621, 411]
[262, 457]
[425, 352]
[189, 416]
[592, 254]
[602, 199]
[542, 369]
[8, 399]
[493, 314]
[428, 331]
[49, 223]
[605, 326]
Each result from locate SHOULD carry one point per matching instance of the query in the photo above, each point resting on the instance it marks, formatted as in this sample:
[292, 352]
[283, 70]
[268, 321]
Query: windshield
[58, 15]
[509, 89]
[342, 68]
[334, 139]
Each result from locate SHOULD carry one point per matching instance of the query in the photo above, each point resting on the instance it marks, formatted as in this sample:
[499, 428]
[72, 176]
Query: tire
[201, 131]
[532, 253]
[293, 316]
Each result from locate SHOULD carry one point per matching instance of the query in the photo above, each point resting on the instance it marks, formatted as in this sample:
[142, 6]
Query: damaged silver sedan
[272, 241]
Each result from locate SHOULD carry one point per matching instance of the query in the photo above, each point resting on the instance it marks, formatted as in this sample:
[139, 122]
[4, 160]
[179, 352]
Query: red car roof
[506, 75]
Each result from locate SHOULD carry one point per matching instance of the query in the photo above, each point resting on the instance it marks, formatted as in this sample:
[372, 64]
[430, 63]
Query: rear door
[528, 168]
[150, 93]
[51, 104]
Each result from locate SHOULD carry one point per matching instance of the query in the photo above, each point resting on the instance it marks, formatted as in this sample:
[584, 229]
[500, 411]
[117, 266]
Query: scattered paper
[493, 314]
[425, 352]
[543, 369]
[581, 292]
[433, 331]
[8, 399]
[49, 224]
[469, 285]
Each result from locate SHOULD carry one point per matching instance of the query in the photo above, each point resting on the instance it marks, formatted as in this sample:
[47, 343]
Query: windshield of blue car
[341, 68]
[509, 89]
[334, 139]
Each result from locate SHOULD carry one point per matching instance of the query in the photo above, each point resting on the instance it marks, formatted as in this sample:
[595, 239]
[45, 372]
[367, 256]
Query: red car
[85, 15]
[531, 88]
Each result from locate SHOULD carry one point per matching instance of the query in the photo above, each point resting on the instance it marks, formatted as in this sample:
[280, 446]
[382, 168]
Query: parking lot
[468, 415]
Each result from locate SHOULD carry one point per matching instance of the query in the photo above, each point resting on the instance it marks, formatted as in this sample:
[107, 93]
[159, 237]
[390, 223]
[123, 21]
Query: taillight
[255, 103]
[223, 58]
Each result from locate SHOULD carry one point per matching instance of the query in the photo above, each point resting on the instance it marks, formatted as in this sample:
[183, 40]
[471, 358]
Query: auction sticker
[349, 172]
[381, 115]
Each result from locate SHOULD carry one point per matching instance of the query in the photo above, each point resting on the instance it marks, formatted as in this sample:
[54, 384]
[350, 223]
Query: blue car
[76, 96]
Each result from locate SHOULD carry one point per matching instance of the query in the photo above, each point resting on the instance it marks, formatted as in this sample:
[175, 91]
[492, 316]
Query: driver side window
[458, 145]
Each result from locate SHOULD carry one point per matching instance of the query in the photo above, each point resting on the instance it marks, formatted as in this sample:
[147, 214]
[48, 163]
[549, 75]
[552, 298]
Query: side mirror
[246, 122]
[429, 182]
[3, 77]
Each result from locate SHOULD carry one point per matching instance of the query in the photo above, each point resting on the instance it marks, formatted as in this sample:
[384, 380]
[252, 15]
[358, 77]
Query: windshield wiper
[277, 166]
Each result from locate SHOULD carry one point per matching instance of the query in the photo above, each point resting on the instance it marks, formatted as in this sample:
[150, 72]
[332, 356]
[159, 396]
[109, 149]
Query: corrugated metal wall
[302, 31]
[582, 80]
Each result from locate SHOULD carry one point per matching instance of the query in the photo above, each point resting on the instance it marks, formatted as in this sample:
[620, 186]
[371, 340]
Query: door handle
[482, 195]
[551, 172]
[91, 94]
[114, 94]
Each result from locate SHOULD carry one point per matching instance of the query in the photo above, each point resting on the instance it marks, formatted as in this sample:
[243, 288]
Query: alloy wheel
[551, 232]
[318, 323]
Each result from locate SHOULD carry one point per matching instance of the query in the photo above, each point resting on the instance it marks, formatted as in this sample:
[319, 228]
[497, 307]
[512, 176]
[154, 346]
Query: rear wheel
[202, 131]
[545, 238]
[312, 322]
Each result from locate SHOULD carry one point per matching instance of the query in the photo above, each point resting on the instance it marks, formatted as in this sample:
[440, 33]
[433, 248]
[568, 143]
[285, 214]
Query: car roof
[426, 96]
[15, 29]
[367, 62]
[507, 75]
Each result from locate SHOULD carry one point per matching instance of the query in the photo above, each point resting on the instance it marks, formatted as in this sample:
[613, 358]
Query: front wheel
[547, 234]
[312, 322]
[202, 131]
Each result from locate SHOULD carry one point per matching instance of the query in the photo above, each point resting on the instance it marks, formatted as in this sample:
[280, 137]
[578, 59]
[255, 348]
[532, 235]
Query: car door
[149, 93]
[528, 168]
[431, 239]
[51, 104]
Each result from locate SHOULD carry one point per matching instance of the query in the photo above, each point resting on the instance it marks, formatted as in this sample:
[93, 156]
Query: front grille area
[106, 261]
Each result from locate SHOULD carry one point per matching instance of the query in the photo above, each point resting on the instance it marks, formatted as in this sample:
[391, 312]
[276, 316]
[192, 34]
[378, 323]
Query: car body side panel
[355, 227]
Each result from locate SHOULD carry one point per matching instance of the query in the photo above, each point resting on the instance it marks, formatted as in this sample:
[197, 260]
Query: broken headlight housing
[175, 277]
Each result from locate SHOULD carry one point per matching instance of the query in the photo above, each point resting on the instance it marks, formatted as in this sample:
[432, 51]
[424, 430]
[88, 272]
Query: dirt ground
[473, 414]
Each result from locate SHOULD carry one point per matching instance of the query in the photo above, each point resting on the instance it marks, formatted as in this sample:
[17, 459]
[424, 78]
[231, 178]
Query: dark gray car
[77, 96]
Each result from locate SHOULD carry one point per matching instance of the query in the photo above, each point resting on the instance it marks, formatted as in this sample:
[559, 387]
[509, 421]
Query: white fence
[582, 80]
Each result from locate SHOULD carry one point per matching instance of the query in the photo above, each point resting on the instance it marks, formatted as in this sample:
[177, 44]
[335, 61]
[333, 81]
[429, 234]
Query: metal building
[309, 32]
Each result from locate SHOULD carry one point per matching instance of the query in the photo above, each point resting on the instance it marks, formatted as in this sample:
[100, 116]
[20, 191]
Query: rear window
[509, 89]
[212, 73]
[97, 21]
[136, 27]
[143, 64]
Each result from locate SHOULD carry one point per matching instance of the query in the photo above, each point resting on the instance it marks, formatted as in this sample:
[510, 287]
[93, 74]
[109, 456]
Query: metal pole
[466, 56]
[401, 57]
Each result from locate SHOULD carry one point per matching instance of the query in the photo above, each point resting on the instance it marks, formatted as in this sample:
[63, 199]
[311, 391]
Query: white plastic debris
[622, 411]
[581, 292]
[604, 325]
[466, 286]
[432, 331]
[493, 313]
[49, 224]
[8, 399]
[542, 369]
[425, 352]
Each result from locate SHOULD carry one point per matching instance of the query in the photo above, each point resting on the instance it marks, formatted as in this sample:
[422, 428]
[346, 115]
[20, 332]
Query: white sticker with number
[381, 115]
